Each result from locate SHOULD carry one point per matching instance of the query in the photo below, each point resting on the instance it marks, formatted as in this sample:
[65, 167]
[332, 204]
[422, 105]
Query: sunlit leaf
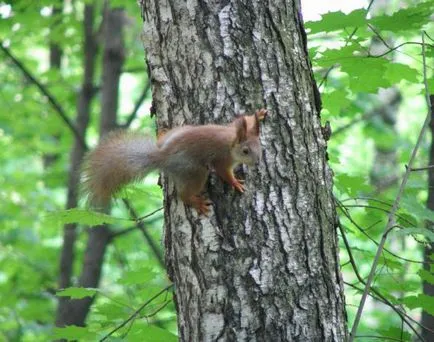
[73, 333]
[77, 292]
[413, 17]
[420, 301]
[333, 21]
[81, 216]
[138, 276]
[352, 185]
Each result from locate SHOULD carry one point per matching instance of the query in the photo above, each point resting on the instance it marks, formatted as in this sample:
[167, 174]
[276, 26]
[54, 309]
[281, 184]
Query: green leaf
[412, 18]
[330, 57]
[395, 333]
[80, 216]
[335, 101]
[415, 231]
[138, 276]
[72, 332]
[366, 74]
[427, 276]
[420, 301]
[406, 220]
[392, 264]
[416, 209]
[77, 292]
[352, 185]
[334, 21]
[150, 333]
[396, 72]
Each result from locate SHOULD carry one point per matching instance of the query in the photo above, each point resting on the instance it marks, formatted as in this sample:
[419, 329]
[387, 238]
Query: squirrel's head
[246, 148]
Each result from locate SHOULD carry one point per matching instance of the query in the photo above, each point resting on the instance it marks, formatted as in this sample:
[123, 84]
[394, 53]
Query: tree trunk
[75, 311]
[427, 319]
[264, 266]
[63, 314]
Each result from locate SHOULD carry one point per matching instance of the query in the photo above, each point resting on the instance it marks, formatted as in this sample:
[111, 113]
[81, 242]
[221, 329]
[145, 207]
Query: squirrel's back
[120, 158]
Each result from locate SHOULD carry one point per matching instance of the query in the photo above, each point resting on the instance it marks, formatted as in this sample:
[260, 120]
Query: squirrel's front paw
[237, 184]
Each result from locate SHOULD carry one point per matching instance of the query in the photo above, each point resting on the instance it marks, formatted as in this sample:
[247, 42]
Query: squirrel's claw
[201, 205]
[237, 184]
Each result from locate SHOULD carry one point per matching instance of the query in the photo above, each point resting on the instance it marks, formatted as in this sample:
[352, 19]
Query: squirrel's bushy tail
[120, 158]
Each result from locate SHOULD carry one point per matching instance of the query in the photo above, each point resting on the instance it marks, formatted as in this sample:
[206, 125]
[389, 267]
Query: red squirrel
[186, 154]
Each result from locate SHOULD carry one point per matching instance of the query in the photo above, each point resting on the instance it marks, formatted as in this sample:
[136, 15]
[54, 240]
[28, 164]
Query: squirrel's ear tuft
[241, 129]
[259, 116]
[256, 128]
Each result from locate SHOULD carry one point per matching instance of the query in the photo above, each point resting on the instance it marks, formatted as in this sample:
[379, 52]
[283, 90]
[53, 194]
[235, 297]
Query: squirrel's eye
[245, 150]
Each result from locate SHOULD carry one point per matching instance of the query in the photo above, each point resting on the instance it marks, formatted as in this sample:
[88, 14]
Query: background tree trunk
[67, 257]
[427, 320]
[264, 266]
[75, 311]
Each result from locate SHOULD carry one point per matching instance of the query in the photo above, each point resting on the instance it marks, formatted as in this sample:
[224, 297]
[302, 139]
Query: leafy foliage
[365, 53]
[35, 160]
[355, 56]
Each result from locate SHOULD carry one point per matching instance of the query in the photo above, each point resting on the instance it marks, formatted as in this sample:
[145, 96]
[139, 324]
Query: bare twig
[429, 37]
[142, 228]
[134, 315]
[161, 307]
[391, 216]
[51, 99]
[363, 231]
[388, 211]
[403, 315]
[139, 102]
[138, 219]
[142, 218]
[326, 75]
[421, 168]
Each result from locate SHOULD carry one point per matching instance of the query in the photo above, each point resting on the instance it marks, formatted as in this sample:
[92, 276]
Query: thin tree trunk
[55, 55]
[264, 266]
[99, 236]
[77, 153]
[428, 288]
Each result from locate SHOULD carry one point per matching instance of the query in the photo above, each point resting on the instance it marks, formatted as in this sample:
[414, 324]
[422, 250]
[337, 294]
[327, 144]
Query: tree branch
[142, 228]
[375, 291]
[391, 216]
[51, 99]
[128, 230]
[139, 102]
[167, 288]
[363, 231]
[67, 257]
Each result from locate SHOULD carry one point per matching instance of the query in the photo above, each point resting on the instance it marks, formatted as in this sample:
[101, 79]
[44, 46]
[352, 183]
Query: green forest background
[369, 66]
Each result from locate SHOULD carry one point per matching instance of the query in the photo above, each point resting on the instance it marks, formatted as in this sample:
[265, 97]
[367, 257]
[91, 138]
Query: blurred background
[72, 70]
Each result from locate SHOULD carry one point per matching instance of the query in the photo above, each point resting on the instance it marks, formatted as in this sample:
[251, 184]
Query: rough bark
[428, 288]
[77, 153]
[264, 266]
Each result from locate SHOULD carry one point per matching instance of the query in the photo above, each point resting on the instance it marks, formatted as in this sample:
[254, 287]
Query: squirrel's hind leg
[190, 185]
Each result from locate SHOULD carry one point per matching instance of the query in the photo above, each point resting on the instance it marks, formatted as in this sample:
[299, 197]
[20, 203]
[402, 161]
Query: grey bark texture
[264, 265]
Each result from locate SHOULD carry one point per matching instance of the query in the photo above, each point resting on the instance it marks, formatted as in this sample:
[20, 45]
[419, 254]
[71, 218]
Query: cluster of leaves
[31, 134]
[35, 161]
[356, 56]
